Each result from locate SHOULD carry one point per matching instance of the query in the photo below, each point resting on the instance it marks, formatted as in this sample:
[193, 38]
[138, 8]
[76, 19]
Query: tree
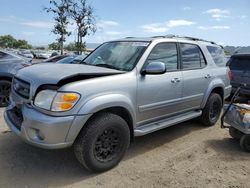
[54, 46]
[83, 16]
[60, 9]
[8, 41]
[23, 44]
[73, 47]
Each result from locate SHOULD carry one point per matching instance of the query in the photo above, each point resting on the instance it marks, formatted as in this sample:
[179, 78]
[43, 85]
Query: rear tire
[103, 142]
[5, 86]
[212, 110]
[245, 143]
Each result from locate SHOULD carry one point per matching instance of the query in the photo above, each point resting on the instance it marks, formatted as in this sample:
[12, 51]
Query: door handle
[207, 76]
[175, 80]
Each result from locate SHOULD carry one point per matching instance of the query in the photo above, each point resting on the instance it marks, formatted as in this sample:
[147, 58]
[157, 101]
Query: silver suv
[125, 88]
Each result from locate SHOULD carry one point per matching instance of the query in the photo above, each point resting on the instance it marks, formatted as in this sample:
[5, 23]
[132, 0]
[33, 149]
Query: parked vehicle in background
[125, 88]
[72, 59]
[9, 65]
[26, 53]
[240, 67]
[55, 58]
[53, 54]
[42, 55]
[66, 60]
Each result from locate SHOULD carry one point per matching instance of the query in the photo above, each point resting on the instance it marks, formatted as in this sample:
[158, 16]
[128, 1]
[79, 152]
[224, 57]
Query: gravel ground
[185, 155]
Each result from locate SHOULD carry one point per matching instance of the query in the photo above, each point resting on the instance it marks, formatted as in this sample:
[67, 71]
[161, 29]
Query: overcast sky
[224, 21]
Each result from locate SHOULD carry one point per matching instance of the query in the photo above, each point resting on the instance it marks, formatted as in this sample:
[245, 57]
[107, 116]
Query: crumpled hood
[59, 74]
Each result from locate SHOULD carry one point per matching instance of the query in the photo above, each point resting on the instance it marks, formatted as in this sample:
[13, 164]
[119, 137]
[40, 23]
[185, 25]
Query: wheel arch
[214, 87]
[8, 78]
[116, 104]
[123, 113]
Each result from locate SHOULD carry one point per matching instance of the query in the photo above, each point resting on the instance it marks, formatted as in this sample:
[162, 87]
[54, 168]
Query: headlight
[56, 101]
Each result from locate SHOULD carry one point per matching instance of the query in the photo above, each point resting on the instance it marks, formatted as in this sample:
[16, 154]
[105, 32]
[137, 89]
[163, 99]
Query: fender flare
[216, 83]
[97, 104]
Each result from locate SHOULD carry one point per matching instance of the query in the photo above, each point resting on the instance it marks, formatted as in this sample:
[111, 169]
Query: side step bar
[155, 126]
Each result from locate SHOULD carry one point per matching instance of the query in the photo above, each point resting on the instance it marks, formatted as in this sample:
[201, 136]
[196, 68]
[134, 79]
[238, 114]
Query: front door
[159, 96]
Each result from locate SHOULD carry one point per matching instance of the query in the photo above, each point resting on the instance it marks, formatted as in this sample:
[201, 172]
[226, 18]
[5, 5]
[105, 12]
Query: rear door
[196, 75]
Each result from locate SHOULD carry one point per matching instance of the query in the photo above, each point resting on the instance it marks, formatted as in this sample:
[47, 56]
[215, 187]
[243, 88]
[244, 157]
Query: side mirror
[155, 68]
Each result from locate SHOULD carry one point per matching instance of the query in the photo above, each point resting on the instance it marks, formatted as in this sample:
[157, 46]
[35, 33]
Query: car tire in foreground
[103, 142]
[212, 110]
[4, 92]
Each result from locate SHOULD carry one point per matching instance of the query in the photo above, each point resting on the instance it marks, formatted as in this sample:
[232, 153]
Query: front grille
[16, 117]
[21, 87]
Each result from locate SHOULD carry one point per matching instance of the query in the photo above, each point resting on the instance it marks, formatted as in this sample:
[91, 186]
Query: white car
[42, 55]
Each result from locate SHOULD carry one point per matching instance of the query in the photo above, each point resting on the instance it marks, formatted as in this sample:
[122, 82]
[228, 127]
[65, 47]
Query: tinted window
[191, 56]
[166, 53]
[218, 55]
[239, 63]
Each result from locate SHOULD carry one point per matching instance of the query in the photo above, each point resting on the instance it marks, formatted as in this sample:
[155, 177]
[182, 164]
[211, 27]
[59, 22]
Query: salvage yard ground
[185, 155]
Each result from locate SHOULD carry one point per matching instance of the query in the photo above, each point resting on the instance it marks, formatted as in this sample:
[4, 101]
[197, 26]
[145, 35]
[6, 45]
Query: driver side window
[165, 53]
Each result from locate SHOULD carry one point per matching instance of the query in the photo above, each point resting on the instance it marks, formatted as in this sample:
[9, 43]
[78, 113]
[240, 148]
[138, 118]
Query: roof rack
[184, 37]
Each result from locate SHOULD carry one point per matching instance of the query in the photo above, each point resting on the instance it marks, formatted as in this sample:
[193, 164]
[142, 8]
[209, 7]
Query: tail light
[230, 75]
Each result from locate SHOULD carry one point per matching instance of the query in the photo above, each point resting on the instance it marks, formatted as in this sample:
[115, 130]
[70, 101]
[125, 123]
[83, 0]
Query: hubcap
[4, 94]
[214, 111]
[107, 145]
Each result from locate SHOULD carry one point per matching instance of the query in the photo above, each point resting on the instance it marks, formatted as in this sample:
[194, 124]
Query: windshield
[117, 55]
[240, 63]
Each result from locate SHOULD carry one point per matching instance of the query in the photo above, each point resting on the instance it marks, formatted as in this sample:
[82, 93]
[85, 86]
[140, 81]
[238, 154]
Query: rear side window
[239, 63]
[192, 57]
[218, 55]
[165, 53]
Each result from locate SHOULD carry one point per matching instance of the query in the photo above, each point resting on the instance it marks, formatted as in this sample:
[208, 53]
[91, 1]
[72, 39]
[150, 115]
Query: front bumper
[41, 130]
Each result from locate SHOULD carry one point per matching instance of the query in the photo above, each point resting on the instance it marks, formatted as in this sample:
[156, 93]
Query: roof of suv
[149, 39]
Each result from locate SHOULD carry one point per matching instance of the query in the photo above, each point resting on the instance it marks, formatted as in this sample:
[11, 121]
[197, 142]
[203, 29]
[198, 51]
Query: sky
[226, 22]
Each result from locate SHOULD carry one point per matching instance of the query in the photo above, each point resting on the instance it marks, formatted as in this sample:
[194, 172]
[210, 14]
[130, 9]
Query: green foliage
[54, 46]
[8, 41]
[73, 47]
[83, 16]
[60, 9]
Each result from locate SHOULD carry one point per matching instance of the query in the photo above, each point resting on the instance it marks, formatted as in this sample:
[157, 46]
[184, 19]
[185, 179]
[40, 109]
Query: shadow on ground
[228, 148]
[22, 164]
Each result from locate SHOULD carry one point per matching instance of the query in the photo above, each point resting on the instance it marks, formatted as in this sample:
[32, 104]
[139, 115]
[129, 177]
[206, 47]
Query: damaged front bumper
[38, 129]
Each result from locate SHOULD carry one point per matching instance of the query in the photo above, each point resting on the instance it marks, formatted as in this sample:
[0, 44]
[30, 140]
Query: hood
[60, 74]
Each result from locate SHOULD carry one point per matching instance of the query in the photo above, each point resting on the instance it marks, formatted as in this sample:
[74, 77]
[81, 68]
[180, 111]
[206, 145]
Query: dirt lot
[185, 155]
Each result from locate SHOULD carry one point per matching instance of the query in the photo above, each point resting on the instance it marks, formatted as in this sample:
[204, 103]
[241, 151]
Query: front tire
[103, 142]
[4, 92]
[212, 110]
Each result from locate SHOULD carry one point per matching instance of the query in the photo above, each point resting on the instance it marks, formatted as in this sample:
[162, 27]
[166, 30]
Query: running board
[155, 126]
